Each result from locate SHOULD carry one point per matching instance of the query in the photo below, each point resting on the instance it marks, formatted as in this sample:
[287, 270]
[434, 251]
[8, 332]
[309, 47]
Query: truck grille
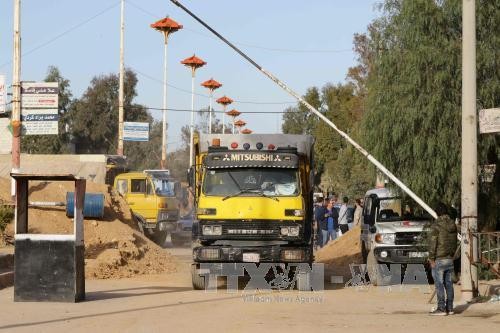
[408, 238]
[254, 229]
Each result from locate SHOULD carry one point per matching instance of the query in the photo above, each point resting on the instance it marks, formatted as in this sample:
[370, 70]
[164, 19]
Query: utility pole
[121, 84]
[469, 151]
[16, 95]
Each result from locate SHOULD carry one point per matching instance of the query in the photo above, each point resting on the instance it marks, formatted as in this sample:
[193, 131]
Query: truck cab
[253, 200]
[152, 201]
[393, 232]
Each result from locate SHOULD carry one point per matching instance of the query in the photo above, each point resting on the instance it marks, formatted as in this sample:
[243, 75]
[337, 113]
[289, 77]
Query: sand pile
[113, 246]
[337, 255]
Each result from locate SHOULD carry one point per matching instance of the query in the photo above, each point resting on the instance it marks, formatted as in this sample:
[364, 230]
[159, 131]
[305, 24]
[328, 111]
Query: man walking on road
[442, 247]
[344, 227]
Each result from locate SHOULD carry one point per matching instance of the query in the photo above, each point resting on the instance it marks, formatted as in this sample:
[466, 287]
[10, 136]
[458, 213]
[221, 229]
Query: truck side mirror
[372, 229]
[190, 177]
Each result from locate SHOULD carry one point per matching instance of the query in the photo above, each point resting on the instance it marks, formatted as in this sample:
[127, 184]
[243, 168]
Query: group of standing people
[331, 223]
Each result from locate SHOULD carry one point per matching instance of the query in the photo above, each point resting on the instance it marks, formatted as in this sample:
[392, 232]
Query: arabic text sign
[39, 95]
[489, 120]
[135, 131]
[3, 94]
[40, 121]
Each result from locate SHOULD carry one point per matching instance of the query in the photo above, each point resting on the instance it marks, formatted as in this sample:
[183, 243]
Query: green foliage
[6, 216]
[414, 92]
[298, 119]
[52, 144]
[94, 117]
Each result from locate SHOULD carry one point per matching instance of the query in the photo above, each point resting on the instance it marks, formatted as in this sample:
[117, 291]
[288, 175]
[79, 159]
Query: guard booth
[48, 267]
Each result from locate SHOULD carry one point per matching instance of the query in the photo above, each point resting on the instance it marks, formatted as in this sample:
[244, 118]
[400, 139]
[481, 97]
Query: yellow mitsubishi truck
[151, 197]
[253, 200]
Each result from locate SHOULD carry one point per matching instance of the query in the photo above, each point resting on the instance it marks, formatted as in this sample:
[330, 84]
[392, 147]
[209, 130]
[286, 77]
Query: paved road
[166, 303]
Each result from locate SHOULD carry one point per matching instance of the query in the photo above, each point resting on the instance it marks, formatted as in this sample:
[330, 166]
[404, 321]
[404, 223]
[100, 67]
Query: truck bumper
[400, 255]
[235, 254]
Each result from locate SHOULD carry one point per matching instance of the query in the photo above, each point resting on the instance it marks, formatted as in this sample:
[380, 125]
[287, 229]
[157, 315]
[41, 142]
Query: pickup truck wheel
[303, 279]
[160, 237]
[374, 270]
[176, 241]
[197, 280]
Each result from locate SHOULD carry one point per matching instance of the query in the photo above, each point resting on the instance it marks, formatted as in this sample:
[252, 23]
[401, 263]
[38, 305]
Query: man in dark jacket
[442, 248]
[320, 215]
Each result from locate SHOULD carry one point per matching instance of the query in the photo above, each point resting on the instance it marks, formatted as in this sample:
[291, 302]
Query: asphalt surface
[167, 303]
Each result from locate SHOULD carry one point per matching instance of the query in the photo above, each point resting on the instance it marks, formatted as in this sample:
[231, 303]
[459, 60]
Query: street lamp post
[193, 63]
[225, 101]
[233, 114]
[166, 26]
[211, 85]
[239, 123]
[119, 150]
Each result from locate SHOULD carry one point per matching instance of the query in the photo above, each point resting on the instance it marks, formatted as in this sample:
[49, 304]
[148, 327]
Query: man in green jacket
[442, 248]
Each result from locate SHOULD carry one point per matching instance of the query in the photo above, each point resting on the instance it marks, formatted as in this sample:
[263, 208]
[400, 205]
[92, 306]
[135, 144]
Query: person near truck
[442, 248]
[358, 209]
[344, 227]
[331, 223]
[320, 217]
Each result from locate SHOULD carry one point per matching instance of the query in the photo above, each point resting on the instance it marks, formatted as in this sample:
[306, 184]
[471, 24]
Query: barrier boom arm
[372, 159]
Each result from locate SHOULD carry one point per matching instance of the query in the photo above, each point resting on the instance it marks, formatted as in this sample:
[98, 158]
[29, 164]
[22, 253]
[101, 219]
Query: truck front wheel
[303, 279]
[198, 280]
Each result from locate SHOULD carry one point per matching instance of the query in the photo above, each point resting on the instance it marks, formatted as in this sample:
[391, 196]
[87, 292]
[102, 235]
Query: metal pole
[164, 112]
[210, 112]
[16, 95]
[469, 151]
[372, 159]
[191, 127]
[233, 123]
[224, 119]
[119, 150]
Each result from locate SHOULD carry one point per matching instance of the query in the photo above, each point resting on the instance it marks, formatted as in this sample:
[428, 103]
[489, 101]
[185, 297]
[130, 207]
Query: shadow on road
[110, 313]
[120, 293]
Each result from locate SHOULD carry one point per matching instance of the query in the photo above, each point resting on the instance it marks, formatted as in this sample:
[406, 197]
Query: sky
[303, 43]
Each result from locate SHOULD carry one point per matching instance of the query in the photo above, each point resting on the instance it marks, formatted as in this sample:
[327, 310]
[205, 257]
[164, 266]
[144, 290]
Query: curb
[6, 279]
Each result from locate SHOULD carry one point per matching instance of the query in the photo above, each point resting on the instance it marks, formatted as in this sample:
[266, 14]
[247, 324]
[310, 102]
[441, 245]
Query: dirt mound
[337, 255]
[113, 246]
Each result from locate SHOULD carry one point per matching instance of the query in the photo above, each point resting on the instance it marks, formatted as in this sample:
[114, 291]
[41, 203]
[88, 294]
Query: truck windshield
[163, 187]
[270, 182]
[393, 209]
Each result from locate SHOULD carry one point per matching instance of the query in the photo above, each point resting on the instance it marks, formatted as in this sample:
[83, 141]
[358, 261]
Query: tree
[298, 119]
[52, 144]
[414, 92]
[94, 117]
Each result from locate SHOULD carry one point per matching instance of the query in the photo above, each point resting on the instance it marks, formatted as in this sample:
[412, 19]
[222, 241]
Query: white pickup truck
[392, 232]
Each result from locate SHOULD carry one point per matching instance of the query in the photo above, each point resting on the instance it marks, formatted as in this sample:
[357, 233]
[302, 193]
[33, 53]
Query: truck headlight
[206, 211]
[209, 253]
[212, 230]
[162, 215]
[294, 212]
[292, 255]
[290, 231]
[385, 238]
